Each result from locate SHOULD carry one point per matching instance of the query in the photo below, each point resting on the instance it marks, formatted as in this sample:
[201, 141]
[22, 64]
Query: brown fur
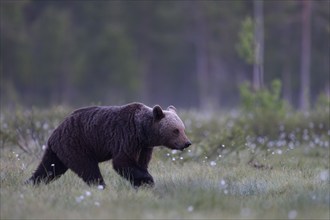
[126, 134]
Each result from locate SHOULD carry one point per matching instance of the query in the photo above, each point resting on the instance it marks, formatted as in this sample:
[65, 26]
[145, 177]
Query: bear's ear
[158, 113]
[171, 108]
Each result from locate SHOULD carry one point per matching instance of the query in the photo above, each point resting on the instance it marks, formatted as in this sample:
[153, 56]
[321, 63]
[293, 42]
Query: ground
[231, 171]
[292, 184]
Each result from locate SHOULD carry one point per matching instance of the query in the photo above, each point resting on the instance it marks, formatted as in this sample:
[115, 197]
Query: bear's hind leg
[49, 169]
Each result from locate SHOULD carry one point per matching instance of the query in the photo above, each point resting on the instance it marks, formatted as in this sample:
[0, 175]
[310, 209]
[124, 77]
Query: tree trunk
[145, 52]
[286, 81]
[202, 60]
[258, 68]
[305, 54]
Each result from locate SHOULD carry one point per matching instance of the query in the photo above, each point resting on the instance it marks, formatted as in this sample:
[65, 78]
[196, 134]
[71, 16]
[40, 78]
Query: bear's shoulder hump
[84, 109]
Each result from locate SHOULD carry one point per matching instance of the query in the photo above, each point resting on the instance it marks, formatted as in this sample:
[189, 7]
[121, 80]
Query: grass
[229, 173]
[295, 186]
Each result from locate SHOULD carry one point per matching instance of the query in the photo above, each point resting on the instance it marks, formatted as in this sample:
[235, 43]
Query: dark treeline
[185, 53]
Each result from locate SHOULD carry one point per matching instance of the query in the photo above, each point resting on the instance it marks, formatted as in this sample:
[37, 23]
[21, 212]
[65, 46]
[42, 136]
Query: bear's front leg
[145, 157]
[134, 173]
[136, 176]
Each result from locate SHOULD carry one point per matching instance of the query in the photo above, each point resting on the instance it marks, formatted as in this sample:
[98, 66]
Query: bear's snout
[187, 144]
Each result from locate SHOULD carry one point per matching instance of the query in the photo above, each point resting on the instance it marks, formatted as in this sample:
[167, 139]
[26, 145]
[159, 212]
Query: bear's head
[170, 128]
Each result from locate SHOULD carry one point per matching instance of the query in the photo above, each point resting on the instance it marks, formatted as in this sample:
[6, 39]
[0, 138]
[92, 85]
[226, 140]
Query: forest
[191, 54]
[250, 80]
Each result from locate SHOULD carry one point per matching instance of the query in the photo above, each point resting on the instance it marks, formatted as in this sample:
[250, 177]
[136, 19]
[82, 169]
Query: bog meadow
[242, 164]
[250, 79]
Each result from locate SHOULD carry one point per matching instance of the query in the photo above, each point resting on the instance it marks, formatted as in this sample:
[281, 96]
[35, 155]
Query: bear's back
[128, 108]
[101, 118]
[99, 130]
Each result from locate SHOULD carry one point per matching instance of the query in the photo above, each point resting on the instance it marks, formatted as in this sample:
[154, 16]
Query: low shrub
[214, 135]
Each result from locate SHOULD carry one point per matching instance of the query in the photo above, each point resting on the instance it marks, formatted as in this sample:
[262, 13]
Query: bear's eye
[176, 131]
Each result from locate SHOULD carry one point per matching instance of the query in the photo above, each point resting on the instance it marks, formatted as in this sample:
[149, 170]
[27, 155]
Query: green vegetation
[245, 47]
[297, 184]
[231, 171]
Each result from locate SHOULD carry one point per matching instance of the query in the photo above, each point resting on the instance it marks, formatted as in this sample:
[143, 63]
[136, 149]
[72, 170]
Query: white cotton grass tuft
[190, 208]
[174, 151]
[45, 126]
[80, 198]
[222, 182]
[88, 193]
[324, 175]
[292, 214]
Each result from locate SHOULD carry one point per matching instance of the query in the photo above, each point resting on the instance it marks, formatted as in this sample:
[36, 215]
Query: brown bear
[126, 134]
